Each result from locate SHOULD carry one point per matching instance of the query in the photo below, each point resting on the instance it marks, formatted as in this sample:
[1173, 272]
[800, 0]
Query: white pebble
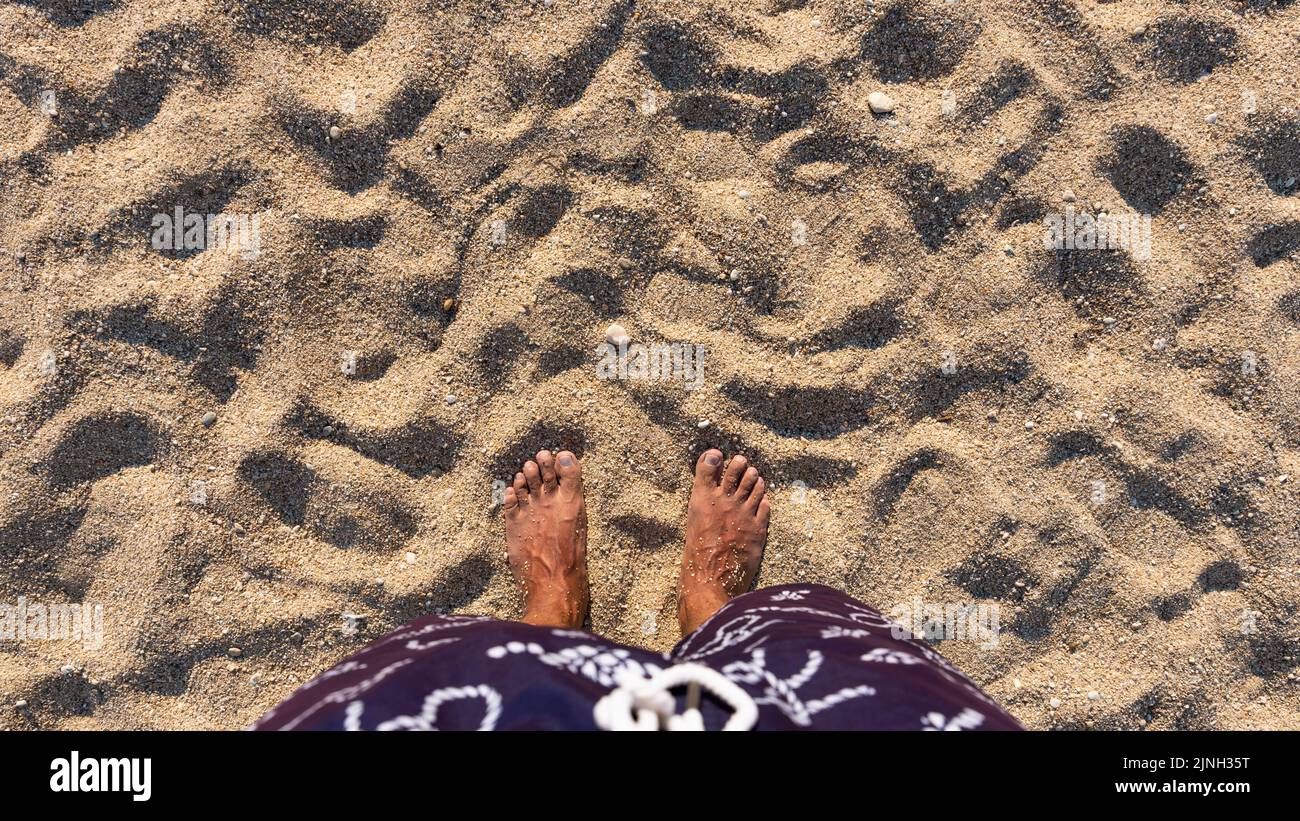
[880, 103]
[617, 335]
[348, 363]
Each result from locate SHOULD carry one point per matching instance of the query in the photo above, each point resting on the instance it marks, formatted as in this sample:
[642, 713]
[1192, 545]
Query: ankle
[553, 611]
[696, 606]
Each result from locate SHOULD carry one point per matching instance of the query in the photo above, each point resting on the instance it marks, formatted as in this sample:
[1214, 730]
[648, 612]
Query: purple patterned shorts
[810, 658]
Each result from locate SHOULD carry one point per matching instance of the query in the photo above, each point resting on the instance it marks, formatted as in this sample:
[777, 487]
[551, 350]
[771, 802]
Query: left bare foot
[546, 539]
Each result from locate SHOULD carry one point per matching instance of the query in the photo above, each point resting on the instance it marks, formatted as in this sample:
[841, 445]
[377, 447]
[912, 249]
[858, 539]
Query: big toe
[708, 468]
[570, 471]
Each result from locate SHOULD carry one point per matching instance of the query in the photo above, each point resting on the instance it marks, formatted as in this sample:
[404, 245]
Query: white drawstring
[646, 703]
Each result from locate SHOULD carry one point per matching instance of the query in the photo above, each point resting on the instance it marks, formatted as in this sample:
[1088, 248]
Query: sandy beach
[1002, 296]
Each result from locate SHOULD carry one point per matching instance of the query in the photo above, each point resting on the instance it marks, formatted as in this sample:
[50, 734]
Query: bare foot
[726, 527]
[546, 539]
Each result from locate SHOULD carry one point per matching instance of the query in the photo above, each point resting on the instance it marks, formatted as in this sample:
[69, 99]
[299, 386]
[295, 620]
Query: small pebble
[880, 103]
[20, 704]
[209, 418]
[616, 335]
[335, 133]
[702, 424]
[449, 305]
[450, 399]
[1067, 195]
[1029, 425]
[235, 652]
[353, 623]
[1212, 118]
[1054, 703]
[1093, 695]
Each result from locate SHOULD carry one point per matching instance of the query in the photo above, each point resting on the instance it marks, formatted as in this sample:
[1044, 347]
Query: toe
[520, 487]
[547, 463]
[764, 512]
[570, 470]
[735, 469]
[757, 494]
[534, 476]
[747, 482]
[708, 468]
[511, 500]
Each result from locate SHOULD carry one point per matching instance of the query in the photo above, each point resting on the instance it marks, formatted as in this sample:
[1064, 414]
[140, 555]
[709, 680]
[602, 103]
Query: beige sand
[882, 323]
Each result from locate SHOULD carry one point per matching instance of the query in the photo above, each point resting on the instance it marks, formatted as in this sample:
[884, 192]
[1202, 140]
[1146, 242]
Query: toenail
[566, 460]
[712, 459]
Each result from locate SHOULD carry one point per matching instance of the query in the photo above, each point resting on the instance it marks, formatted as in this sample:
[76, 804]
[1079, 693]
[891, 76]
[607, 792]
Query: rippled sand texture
[1094, 442]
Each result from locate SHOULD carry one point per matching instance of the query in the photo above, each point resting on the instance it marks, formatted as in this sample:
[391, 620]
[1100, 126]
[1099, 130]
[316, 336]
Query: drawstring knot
[639, 703]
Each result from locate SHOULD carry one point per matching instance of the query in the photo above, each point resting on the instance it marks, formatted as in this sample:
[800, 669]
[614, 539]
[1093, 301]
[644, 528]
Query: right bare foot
[726, 527]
